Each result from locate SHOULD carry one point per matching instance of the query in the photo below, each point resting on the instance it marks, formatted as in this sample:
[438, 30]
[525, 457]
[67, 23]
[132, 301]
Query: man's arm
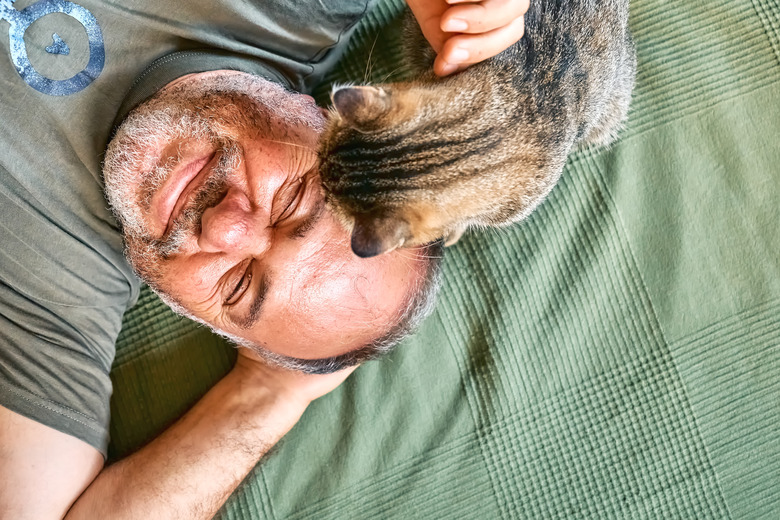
[43, 470]
[187, 472]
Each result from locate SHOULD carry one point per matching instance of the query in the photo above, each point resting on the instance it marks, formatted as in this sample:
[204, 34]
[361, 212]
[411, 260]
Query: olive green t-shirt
[65, 69]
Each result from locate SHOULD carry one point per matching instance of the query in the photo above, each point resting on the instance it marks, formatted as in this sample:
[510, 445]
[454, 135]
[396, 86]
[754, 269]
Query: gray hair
[420, 304]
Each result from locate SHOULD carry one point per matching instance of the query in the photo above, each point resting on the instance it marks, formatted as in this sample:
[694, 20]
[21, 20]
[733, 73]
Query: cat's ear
[362, 108]
[374, 236]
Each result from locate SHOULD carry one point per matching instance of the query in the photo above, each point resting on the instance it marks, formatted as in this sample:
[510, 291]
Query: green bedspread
[617, 355]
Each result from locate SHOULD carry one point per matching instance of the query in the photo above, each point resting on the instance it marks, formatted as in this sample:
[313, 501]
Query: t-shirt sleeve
[61, 304]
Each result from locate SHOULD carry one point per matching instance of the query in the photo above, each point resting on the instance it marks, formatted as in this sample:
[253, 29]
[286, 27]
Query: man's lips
[168, 199]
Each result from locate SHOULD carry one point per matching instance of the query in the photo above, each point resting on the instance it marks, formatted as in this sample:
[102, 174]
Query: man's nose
[235, 226]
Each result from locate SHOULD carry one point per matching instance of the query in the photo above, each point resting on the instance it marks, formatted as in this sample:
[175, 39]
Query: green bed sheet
[617, 355]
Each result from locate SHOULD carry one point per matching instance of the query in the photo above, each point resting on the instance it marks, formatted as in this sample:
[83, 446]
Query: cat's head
[379, 163]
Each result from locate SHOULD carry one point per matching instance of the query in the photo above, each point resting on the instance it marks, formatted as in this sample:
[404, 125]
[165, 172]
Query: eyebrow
[256, 307]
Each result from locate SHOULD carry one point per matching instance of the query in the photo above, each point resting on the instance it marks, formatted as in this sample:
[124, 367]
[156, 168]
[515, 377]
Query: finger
[445, 69]
[482, 17]
[428, 15]
[466, 49]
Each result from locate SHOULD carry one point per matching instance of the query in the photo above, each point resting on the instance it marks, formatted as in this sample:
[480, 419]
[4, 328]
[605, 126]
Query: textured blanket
[617, 355]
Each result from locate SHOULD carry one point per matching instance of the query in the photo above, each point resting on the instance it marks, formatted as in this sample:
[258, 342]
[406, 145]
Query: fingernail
[459, 55]
[448, 68]
[455, 25]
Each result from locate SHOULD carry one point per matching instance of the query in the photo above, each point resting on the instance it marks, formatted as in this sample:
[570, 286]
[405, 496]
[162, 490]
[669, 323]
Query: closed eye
[241, 286]
[288, 200]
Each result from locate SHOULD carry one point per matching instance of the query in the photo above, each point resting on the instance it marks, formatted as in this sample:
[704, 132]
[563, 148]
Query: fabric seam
[650, 308]
[765, 16]
[31, 401]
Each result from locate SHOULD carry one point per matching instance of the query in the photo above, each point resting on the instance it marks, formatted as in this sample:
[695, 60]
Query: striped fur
[408, 163]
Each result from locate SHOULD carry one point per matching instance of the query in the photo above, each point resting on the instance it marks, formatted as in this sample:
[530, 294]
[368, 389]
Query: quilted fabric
[617, 355]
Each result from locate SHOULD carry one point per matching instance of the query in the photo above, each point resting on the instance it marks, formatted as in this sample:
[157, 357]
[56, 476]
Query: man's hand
[288, 384]
[464, 32]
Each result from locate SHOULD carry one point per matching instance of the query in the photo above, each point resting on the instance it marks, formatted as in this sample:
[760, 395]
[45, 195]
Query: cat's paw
[455, 235]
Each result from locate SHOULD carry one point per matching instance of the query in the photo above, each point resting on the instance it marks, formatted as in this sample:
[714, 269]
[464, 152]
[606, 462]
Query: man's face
[215, 181]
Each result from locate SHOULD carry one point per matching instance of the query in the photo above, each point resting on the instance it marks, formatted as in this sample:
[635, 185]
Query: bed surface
[617, 355]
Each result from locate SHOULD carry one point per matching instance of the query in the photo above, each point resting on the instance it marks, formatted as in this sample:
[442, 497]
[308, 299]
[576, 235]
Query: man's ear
[361, 107]
[374, 236]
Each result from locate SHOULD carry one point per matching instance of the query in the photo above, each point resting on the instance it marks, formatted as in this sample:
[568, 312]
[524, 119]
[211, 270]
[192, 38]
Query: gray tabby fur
[408, 163]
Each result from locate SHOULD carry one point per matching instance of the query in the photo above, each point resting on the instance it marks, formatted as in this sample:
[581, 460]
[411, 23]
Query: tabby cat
[408, 163]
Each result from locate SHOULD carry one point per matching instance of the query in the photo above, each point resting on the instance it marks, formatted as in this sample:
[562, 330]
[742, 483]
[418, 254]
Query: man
[215, 182]
[65, 284]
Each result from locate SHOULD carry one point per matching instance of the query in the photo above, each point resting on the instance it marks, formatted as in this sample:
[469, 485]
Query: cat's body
[409, 163]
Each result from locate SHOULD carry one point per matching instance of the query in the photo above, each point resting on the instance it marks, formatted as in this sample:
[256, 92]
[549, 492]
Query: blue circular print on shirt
[21, 20]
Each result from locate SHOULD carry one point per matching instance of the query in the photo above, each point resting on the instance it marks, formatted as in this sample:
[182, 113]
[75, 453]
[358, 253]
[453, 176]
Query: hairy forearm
[191, 469]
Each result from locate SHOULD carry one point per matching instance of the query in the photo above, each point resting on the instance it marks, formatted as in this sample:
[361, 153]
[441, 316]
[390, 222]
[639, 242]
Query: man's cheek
[317, 298]
[190, 281]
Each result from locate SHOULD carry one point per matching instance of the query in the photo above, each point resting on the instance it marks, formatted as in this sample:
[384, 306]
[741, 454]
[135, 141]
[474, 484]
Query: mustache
[208, 195]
